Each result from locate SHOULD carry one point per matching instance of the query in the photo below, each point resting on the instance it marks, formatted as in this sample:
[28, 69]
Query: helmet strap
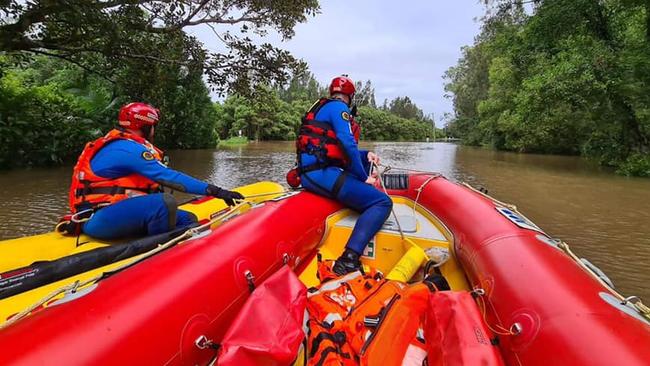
[147, 132]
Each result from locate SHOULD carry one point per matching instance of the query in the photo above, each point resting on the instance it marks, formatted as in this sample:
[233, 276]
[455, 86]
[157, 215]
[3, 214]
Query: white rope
[392, 209]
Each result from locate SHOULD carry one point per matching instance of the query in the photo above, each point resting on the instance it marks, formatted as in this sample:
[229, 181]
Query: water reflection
[604, 217]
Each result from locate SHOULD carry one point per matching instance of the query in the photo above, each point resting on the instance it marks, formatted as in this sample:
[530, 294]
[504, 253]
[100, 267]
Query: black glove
[227, 196]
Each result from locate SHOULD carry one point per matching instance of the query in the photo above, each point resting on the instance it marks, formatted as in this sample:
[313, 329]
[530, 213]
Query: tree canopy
[275, 113]
[103, 35]
[567, 77]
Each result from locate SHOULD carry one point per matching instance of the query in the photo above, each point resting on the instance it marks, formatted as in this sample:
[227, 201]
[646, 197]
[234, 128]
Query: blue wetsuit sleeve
[363, 155]
[344, 133]
[125, 157]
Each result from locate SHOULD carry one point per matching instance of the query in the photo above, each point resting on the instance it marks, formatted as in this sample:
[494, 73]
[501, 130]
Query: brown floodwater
[604, 217]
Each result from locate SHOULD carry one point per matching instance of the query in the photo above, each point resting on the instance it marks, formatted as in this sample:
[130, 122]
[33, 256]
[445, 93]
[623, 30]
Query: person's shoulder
[337, 109]
[127, 144]
[337, 104]
[125, 147]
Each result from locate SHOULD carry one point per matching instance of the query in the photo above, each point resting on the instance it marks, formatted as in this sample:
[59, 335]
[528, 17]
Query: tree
[405, 108]
[302, 86]
[102, 35]
[570, 78]
[365, 94]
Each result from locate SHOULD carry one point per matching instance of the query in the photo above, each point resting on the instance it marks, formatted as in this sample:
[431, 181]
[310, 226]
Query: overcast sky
[403, 47]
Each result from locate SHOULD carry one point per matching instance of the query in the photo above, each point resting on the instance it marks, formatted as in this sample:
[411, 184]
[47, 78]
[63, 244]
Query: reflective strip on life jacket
[89, 190]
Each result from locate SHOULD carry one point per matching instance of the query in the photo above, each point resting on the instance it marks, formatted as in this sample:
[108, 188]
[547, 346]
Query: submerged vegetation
[561, 77]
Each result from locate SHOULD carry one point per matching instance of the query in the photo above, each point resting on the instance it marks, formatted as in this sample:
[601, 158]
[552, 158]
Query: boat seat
[408, 223]
[416, 226]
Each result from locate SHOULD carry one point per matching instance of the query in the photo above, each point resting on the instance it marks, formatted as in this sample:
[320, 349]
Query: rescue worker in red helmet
[330, 164]
[119, 179]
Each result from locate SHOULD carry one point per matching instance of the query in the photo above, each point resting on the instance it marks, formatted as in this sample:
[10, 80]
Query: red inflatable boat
[538, 305]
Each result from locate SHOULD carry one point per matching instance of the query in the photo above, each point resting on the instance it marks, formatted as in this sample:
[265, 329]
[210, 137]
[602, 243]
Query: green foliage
[635, 165]
[50, 108]
[122, 51]
[275, 114]
[104, 35]
[234, 141]
[45, 114]
[571, 78]
[380, 125]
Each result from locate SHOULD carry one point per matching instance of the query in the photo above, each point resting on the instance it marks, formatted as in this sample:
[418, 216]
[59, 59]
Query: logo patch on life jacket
[345, 116]
[146, 155]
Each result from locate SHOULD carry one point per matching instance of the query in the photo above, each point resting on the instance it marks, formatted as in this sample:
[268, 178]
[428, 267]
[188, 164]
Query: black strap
[315, 343]
[339, 183]
[329, 350]
[324, 125]
[323, 138]
[108, 190]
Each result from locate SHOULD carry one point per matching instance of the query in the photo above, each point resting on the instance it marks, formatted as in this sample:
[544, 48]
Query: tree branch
[62, 57]
[193, 14]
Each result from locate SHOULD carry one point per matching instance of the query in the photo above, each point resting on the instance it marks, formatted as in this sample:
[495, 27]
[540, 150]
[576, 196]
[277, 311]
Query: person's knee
[386, 202]
[185, 218]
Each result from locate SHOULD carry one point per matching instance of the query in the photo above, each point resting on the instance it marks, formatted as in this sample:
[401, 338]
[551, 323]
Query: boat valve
[516, 328]
[477, 292]
[250, 279]
[202, 342]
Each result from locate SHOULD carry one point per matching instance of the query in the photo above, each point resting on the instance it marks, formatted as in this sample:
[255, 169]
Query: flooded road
[605, 218]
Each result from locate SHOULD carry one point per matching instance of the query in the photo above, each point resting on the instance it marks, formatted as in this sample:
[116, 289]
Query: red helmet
[343, 85]
[138, 115]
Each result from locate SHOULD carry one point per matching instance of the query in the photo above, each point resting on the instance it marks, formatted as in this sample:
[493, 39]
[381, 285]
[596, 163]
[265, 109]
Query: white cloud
[404, 47]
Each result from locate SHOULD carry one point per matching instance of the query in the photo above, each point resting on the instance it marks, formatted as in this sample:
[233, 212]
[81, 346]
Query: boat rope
[274, 193]
[73, 287]
[439, 261]
[390, 167]
[478, 294]
[420, 189]
[392, 209]
[635, 301]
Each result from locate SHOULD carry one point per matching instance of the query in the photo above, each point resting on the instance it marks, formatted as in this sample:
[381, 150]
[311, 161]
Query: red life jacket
[89, 190]
[318, 138]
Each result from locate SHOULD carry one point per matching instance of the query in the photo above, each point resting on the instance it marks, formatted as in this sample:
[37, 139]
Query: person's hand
[373, 158]
[371, 180]
[227, 196]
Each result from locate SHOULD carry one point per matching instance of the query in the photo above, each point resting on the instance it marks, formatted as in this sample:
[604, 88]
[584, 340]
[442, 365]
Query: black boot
[347, 262]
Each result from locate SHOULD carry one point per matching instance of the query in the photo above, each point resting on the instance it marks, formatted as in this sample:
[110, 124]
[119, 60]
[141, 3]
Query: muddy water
[604, 217]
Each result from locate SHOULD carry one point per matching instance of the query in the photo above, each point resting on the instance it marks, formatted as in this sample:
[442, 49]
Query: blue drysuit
[142, 215]
[373, 205]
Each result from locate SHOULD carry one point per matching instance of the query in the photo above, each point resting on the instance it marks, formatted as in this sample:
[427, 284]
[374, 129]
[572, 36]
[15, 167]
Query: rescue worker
[330, 164]
[118, 178]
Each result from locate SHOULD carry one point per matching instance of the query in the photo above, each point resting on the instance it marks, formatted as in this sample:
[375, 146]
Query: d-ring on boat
[531, 301]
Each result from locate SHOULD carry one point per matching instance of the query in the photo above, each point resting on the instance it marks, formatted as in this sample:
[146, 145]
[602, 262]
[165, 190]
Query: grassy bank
[234, 141]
